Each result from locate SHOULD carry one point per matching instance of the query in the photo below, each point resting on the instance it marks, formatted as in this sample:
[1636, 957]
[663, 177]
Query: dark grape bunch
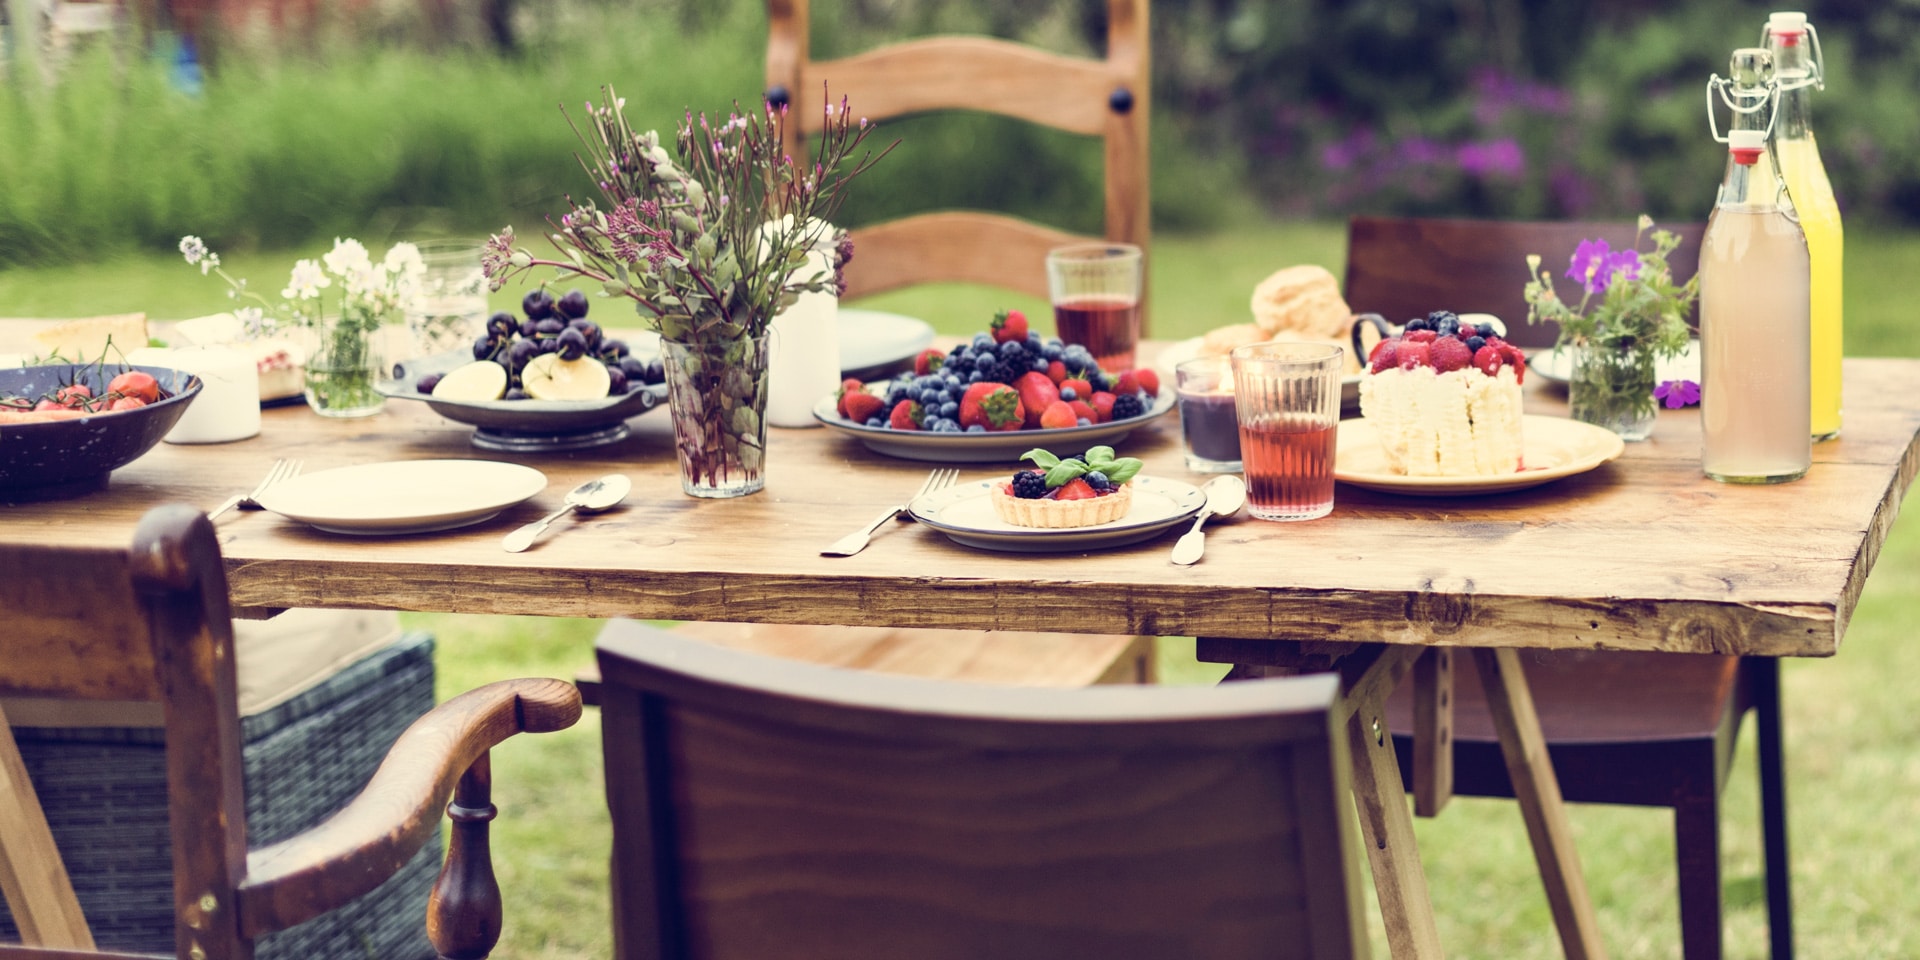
[556, 326]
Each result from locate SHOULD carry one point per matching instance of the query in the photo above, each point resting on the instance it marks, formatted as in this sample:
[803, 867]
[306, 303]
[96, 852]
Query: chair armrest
[370, 839]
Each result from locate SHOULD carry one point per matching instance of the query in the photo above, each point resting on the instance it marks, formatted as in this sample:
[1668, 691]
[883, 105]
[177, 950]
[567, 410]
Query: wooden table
[1641, 554]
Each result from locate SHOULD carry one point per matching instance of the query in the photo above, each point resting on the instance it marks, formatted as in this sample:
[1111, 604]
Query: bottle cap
[1745, 145]
[1788, 25]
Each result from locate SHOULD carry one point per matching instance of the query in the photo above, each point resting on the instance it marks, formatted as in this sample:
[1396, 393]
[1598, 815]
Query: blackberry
[1438, 317]
[1029, 484]
[1446, 326]
[1128, 406]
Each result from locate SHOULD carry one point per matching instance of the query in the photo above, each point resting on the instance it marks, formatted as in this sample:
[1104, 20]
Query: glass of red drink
[1096, 299]
[1208, 424]
[1287, 396]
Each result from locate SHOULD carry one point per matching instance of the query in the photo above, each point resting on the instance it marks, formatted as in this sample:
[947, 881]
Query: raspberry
[1414, 353]
[1127, 407]
[1488, 360]
[1029, 484]
[1385, 354]
[1419, 336]
[1448, 353]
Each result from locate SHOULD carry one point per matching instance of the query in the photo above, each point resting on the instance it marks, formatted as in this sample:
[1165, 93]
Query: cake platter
[965, 514]
[1003, 447]
[1552, 448]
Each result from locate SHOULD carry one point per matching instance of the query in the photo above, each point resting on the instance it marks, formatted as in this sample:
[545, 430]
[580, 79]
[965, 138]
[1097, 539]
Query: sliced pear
[479, 380]
[547, 377]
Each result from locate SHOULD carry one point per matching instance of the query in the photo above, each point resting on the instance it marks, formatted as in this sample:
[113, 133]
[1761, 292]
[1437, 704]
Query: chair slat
[963, 73]
[954, 246]
[72, 628]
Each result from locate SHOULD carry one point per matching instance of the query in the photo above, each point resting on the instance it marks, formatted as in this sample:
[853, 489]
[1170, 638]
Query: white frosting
[1461, 423]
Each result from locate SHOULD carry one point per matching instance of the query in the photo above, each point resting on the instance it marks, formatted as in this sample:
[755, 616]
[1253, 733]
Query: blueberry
[983, 341]
[1069, 394]
[1097, 480]
[1084, 422]
[1475, 343]
[1039, 365]
[876, 422]
[1417, 323]
[950, 409]
[1051, 351]
[1013, 350]
[931, 397]
[974, 376]
[976, 428]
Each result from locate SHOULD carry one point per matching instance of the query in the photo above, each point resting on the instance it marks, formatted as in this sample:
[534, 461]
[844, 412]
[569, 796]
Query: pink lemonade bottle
[1755, 326]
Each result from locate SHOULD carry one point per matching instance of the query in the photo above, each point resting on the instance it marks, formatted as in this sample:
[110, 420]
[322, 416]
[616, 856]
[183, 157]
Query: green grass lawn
[1855, 777]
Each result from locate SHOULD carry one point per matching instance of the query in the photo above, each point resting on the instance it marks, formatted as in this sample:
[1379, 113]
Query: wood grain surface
[1644, 553]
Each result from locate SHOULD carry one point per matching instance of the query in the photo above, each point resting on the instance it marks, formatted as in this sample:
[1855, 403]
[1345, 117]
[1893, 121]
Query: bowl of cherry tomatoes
[65, 427]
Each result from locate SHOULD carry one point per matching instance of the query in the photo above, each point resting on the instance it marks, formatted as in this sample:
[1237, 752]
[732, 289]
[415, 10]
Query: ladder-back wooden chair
[152, 624]
[1644, 729]
[1107, 98]
[768, 809]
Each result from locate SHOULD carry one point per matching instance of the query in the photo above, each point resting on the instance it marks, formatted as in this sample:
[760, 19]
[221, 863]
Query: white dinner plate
[403, 496]
[1551, 448]
[1556, 367]
[1180, 351]
[965, 514]
[872, 342]
[985, 447]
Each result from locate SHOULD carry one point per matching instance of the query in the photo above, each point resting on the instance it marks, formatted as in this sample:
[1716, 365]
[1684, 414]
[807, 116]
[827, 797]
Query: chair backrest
[768, 808]
[154, 623]
[1402, 267]
[1108, 98]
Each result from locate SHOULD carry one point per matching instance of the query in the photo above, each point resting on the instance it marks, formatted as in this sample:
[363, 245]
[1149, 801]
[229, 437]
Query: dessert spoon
[1225, 495]
[590, 497]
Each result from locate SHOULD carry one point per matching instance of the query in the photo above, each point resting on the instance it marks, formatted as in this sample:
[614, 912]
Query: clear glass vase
[1613, 388]
[717, 396]
[346, 361]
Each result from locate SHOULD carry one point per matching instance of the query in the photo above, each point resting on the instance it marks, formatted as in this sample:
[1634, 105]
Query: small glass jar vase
[717, 396]
[346, 361]
[1613, 388]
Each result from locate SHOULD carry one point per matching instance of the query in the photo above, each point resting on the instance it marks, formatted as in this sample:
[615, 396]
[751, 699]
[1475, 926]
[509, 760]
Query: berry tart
[1080, 491]
[1444, 397]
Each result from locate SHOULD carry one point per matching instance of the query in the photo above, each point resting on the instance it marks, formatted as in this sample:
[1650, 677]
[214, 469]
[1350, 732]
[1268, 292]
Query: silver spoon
[590, 497]
[1225, 495]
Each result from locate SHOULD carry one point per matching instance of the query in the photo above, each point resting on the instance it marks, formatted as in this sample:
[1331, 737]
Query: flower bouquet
[344, 359]
[1630, 315]
[709, 243]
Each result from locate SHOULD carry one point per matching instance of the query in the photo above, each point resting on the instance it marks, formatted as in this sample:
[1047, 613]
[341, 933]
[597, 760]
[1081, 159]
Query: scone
[1081, 491]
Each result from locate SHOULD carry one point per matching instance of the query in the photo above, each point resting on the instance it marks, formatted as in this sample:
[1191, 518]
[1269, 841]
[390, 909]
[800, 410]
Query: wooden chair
[152, 624]
[1108, 98]
[1645, 729]
[762, 808]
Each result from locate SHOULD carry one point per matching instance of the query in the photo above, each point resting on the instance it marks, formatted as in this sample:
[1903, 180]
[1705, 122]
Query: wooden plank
[1432, 732]
[32, 876]
[954, 246]
[973, 73]
[1387, 828]
[1511, 706]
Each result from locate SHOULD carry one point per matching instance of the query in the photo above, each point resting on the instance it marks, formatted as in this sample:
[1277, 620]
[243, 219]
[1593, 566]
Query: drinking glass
[1096, 299]
[1288, 399]
[1208, 425]
[449, 310]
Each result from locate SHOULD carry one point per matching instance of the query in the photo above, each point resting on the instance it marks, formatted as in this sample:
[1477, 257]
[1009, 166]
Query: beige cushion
[277, 659]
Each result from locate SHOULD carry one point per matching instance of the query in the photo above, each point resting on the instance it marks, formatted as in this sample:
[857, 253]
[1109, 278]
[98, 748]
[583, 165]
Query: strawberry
[1149, 381]
[994, 406]
[1448, 353]
[1386, 354]
[1037, 393]
[929, 361]
[1082, 409]
[861, 406]
[1008, 325]
[1058, 416]
[1413, 353]
[1081, 389]
[1126, 382]
[1102, 404]
[907, 415]
[1418, 336]
[1488, 360]
[848, 388]
[1056, 371]
[1075, 489]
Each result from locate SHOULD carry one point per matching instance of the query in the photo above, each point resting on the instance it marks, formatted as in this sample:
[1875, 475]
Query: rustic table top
[1642, 553]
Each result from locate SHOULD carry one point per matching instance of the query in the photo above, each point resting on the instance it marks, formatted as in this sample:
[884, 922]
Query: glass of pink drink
[1096, 299]
[1287, 396]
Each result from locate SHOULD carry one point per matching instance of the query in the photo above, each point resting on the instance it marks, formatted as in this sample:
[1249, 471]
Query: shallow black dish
[525, 426]
[67, 458]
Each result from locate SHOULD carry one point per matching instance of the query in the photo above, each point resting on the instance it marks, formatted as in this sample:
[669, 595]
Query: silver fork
[283, 469]
[856, 541]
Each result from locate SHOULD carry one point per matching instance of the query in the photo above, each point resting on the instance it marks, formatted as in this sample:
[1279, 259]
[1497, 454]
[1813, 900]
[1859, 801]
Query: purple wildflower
[1677, 393]
[1596, 265]
[1502, 157]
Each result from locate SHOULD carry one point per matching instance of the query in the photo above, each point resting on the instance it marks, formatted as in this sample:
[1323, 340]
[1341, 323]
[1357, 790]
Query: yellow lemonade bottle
[1797, 71]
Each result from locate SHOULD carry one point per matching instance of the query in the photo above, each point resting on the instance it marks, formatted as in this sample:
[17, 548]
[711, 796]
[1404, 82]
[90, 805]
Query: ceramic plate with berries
[966, 515]
[1551, 448]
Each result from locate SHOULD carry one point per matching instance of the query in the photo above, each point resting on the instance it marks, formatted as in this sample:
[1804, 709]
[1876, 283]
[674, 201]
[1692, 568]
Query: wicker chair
[152, 624]
[763, 808]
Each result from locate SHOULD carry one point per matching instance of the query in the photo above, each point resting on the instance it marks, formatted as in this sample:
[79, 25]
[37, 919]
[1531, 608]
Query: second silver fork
[283, 469]
[856, 541]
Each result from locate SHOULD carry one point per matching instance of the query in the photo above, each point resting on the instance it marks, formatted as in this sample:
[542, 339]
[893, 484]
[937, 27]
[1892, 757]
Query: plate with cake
[1086, 502]
[1441, 416]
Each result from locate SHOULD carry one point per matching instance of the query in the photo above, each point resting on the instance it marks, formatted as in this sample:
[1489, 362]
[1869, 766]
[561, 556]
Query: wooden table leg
[1387, 827]
[1538, 792]
[32, 876]
[1432, 732]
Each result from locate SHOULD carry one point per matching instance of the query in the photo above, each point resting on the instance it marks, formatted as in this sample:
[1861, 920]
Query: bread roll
[1303, 300]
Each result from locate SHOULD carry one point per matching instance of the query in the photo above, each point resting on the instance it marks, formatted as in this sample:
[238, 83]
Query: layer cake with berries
[1079, 491]
[1444, 398]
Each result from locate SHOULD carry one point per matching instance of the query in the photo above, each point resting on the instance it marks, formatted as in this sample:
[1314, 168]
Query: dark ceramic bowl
[526, 426]
[67, 458]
